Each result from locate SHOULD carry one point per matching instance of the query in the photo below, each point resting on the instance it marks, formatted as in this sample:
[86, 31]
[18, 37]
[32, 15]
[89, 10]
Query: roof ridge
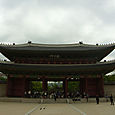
[107, 61]
[108, 44]
[57, 45]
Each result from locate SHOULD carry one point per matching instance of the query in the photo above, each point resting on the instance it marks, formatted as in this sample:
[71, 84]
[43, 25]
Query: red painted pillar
[16, 86]
[82, 85]
[97, 86]
[101, 86]
[65, 86]
[9, 86]
[23, 81]
[44, 85]
[86, 85]
[27, 82]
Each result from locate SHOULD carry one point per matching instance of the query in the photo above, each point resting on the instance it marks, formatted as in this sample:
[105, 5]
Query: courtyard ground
[14, 108]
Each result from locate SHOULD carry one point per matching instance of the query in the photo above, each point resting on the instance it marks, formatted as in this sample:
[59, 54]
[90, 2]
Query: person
[97, 99]
[111, 100]
[55, 96]
[45, 94]
[29, 93]
[84, 95]
[25, 94]
[87, 96]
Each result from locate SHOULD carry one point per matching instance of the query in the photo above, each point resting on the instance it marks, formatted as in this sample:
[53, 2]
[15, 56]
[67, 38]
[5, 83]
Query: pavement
[15, 108]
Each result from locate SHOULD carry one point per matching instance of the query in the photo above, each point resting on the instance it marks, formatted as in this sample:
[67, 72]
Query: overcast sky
[58, 21]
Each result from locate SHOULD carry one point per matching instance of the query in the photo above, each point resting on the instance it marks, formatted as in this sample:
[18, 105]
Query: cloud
[57, 21]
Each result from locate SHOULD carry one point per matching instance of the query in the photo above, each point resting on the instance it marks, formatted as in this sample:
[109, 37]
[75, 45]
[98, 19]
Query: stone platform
[48, 101]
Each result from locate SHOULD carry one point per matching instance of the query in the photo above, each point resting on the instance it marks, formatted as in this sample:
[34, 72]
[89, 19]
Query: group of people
[58, 94]
[36, 94]
[110, 97]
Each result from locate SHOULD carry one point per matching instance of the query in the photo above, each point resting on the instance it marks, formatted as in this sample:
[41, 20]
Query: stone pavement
[10, 108]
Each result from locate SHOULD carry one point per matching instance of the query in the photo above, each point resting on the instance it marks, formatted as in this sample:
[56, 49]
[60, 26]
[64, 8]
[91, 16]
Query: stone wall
[3, 88]
[109, 89]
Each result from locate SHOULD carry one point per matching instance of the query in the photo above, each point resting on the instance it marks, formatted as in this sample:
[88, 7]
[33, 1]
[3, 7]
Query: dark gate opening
[55, 87]
[73, 89]
[35, 89]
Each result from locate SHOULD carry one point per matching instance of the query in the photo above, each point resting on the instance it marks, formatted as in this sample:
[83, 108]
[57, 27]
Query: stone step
[43, 101]
[53, 101]
[90, 100]
[29, 100]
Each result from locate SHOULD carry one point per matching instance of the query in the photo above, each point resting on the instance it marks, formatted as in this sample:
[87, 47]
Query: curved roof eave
[96, 52]
[63, 69]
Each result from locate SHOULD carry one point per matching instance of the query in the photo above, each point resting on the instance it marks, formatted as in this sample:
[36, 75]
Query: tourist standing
[29, 93]
[55, 96]
[87, 96]
[97, 99]
[111, 100]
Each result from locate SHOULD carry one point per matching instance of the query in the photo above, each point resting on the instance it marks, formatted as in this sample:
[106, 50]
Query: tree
[36, 86]
[73, 86]
[109, 78]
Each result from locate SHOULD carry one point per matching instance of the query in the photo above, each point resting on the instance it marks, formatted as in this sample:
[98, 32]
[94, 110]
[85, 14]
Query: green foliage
[36, 86]
[3, 78]
[55, 86]
[109, 78]
[73, 86]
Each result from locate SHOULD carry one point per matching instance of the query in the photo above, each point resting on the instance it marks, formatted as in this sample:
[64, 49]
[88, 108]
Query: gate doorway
[73, 89]
[55, 87]
[36, 89]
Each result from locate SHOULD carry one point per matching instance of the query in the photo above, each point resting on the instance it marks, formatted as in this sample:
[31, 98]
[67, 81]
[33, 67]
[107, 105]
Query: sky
[58, 21]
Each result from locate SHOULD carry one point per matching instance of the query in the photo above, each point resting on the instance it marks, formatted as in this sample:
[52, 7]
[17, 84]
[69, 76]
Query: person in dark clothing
[87, 96]
[111, 100]
[97, 99]
[55, 96]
